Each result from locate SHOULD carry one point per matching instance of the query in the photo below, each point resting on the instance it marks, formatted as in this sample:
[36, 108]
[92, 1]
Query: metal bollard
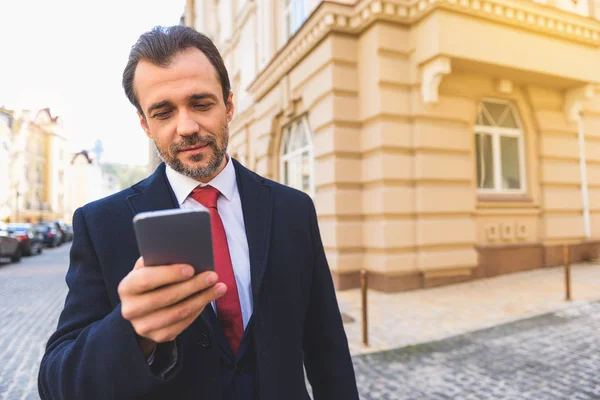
[363, 291]
[567, 261]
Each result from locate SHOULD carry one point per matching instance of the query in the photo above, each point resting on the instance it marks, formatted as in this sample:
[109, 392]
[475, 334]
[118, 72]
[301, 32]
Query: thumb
[139, 263]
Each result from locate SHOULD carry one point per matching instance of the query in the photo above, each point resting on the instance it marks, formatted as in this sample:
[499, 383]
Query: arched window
[499, 148]
[297, 156]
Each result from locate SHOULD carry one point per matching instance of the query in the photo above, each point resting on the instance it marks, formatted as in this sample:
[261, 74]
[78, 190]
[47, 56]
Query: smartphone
[175, 236]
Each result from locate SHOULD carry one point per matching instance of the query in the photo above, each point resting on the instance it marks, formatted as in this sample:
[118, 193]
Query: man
[242, 332]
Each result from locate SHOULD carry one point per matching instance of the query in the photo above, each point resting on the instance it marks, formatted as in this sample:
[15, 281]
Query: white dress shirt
[229, 206]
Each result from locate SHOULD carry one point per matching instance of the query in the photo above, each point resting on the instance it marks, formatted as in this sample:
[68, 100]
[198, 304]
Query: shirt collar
[183, 185]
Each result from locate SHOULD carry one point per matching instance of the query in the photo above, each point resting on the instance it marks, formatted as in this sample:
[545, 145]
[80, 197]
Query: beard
[196, 170]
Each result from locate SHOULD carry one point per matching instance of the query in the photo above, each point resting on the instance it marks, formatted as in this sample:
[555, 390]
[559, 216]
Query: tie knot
[206, 195]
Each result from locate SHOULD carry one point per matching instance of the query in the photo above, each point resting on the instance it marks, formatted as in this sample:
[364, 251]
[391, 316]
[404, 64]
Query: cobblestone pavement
[32, 295]
[409, 318]
[553, 356]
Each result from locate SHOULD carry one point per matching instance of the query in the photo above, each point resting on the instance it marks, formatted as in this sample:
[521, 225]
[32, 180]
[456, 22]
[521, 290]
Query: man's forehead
[188, 65]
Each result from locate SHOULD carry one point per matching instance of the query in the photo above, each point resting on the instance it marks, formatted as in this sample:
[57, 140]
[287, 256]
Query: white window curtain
[297, 156]
[499, 149]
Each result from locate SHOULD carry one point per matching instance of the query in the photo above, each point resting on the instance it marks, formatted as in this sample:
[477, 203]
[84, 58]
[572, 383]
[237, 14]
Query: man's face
[184, 113]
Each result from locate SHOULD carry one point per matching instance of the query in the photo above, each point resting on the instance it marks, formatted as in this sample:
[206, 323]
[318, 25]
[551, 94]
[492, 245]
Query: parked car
[66, 230]
[9, 246]
[31, 240]
[69, 230]
[52, 237]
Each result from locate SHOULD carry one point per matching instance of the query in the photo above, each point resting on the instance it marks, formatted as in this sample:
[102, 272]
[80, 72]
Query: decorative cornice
[353, 19]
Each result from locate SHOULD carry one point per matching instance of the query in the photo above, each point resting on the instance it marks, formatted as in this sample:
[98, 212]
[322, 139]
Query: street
[553, 356]
[32, 296]
[550, 357]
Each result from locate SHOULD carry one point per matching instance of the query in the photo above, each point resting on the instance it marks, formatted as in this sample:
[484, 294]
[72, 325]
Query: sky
[69, 55]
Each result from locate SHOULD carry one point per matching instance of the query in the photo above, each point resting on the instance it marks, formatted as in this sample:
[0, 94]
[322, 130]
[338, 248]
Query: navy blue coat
[296, 321]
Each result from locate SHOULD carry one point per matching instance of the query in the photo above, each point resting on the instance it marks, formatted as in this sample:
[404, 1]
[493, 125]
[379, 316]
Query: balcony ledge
[330, 17]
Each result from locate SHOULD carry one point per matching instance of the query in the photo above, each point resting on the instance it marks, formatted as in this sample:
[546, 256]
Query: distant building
[58, 162]
[441, 140]
[38, 166]
[5, 161]
[87, 182]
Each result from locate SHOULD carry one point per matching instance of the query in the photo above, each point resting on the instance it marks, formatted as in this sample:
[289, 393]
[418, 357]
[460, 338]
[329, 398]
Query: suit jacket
[296, 321]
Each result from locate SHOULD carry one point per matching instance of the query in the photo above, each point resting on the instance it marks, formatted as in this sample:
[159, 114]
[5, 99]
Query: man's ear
[230, 107]
[144, 125]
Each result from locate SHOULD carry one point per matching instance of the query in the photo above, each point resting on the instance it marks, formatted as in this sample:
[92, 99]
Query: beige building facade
[37, 167]
[5, 156]
[442, 140]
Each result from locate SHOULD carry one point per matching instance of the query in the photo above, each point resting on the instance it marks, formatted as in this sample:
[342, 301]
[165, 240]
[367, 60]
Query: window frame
[290, 15]
[496, 133]
[284, 157]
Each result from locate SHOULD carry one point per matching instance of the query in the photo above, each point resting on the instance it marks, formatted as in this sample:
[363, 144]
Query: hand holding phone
[162, 301]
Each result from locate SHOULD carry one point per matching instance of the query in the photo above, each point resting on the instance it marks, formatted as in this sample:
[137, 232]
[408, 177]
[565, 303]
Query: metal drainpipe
[584, 182]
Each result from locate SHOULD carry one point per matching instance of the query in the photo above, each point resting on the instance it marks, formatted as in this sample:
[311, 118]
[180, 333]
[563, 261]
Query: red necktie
[228, 306]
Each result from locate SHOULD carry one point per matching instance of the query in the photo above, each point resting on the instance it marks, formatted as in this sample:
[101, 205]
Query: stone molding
[331, 17]
[431, 76]
[575, 99]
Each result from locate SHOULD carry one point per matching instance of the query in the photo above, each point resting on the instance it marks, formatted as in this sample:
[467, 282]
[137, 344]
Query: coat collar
[153, 193]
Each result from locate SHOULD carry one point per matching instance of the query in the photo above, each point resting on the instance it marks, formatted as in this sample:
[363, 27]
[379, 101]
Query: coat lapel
[154, 193]
[255, 195]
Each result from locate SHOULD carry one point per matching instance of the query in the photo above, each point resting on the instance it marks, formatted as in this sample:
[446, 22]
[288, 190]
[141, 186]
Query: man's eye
[204, 106]
[162, 115]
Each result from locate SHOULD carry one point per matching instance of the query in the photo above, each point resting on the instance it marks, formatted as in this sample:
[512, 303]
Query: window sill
[505, 201]
[491, 204]
[503, 198]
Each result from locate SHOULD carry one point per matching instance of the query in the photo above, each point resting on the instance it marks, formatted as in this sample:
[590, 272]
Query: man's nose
[186, 125]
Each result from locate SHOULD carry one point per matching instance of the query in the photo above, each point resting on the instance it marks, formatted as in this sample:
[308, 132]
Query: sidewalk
[407, 318]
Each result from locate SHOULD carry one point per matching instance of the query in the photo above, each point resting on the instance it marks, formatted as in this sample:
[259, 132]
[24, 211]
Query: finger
[171, 332]
[160, 321]
[146, 303]
[139, 263]
[145, 279]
